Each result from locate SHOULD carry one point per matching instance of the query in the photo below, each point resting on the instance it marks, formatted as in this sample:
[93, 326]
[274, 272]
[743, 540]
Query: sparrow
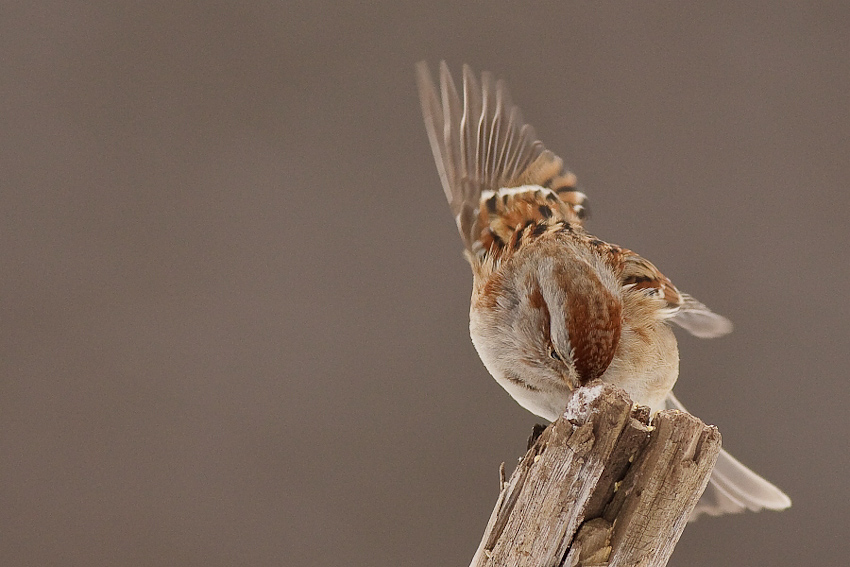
[553, 307]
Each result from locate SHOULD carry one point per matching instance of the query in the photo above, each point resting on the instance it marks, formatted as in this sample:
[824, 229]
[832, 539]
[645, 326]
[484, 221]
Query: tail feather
[733, 487]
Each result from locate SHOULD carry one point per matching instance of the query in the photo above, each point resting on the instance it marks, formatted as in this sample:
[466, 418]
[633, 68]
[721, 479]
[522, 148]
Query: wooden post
[601, 486]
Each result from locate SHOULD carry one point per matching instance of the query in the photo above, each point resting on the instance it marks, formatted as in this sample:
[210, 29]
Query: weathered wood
[601, 486]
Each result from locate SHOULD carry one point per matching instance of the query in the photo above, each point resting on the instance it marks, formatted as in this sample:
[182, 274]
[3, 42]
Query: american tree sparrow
[554, 307]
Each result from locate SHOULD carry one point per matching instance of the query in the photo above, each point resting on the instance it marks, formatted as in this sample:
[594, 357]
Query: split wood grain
[601, 486]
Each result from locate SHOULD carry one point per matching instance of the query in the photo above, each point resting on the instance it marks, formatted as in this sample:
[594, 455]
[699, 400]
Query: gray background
[234, 309]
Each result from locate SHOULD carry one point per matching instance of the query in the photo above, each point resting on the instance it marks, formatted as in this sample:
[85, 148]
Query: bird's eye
[554, 354]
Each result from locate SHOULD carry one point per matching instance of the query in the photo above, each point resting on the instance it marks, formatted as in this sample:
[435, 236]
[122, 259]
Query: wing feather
[480, 142]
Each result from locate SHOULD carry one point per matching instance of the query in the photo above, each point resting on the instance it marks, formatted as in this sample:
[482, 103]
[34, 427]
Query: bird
[553, 307]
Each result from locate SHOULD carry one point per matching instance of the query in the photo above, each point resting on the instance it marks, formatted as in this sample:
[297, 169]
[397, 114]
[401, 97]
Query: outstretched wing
[482, 143]
[733, 487]
[699, 320]
[640, 274]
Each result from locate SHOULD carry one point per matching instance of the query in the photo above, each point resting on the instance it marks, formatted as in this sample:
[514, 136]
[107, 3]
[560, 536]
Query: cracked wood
[601, 486]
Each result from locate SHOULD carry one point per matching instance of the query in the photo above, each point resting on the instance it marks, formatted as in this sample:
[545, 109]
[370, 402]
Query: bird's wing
[480, 143]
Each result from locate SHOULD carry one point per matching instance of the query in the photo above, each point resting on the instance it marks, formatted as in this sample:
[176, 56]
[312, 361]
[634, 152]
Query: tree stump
[601, 486]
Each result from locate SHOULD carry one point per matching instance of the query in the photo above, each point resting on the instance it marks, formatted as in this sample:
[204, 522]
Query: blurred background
[234, 307]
